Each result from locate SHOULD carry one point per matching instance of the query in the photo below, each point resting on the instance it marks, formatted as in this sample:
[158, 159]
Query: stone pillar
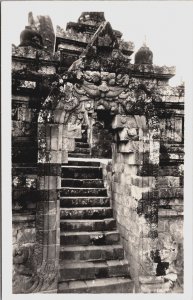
[54, 141]
[48, 227]
[139, 190]
[135, 163]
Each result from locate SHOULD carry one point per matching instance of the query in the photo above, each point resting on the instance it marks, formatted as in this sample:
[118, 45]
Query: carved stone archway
[136, 127]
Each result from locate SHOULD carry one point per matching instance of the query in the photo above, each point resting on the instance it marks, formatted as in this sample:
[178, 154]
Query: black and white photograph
[96, 131]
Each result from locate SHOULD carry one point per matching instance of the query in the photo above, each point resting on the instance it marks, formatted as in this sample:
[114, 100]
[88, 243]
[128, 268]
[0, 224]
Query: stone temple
[97, 163]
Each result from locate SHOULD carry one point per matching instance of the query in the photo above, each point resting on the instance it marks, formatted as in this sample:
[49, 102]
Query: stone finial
[144, 55]
[43, 25]
[39, 33]
[30, 37]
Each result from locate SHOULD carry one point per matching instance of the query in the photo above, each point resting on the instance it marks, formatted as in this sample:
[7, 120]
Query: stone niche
[133, 116]
[102, 135]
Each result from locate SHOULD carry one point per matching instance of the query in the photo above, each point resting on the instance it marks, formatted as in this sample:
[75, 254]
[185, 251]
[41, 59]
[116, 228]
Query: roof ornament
[144, 55]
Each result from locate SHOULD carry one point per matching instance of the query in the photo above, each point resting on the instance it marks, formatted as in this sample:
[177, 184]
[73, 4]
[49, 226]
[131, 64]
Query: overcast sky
[166, 25]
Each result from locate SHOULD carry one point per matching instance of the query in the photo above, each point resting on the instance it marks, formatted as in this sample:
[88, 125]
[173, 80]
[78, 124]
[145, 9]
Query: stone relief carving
[118, 93]
[25, 268]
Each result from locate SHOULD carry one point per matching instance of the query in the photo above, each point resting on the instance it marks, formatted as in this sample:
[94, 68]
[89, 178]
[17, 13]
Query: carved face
[116, 93]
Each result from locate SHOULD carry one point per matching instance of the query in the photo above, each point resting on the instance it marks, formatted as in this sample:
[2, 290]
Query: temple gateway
[97, 163]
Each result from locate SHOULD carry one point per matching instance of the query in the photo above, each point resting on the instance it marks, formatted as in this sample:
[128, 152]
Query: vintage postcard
[97, 149]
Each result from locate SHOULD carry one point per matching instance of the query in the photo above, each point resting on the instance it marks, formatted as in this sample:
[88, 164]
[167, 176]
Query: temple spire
[145, 41]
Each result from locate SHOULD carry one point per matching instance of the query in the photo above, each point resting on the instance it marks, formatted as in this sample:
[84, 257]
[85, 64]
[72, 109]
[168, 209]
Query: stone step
[82, 145]
[172, 207]
[76, 155]
[104, 285]
[87, 225]
[71, 191]
[81, 150]
[82, 163]
[91, 253]
[170, 213]
[70, 270]
[84, 201]
[81, 172]
[82, 182]
[89, 238]
[86, 213]
[83, 139]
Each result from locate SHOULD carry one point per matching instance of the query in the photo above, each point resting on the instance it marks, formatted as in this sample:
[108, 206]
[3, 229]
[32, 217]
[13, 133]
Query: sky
[164, 25]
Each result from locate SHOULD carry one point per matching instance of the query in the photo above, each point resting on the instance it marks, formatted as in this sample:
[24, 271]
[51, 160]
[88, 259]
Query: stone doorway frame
[138, 134]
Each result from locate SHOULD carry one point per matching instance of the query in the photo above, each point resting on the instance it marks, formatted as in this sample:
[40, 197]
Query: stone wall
[35, 186]
[25, 181]
[24, 226]
[128, 186]
[147, 190]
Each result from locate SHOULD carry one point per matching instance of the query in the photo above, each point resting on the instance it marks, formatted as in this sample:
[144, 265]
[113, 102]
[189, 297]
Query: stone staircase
[82, 148]
[91, 256]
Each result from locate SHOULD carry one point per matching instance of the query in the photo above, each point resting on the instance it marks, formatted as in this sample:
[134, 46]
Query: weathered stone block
[118, 167]
[154, 152]
[131, 146]
[178, 136]
[163, 225]
[55, 157]
[50, 182]
[124, 122]
[176, 229]
[171, 193]
[20, 128]
[170, 170]
[169, 181]
[171, 129]
[119, 157]
[137, 192]
[176, 156]
[54, 137]
[49, 237]
[52, 251]
[151, 279]
[24, 114]
[129, 169]
[141, 122]
[58, 115]
[47, 70]
[127, 134]
[74, 131]
[64, 157]
[46, 221]
[49, 169]
[25, 181]
[48, 195]
[47, 207]
[23, 236]
[156, 288]
[143, 181]
[68, 144]
[134, 158]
